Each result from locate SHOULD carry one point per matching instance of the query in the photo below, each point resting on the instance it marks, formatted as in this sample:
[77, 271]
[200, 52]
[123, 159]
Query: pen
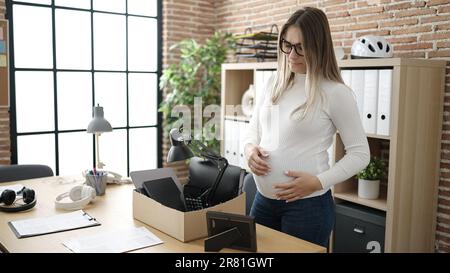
[95, 177]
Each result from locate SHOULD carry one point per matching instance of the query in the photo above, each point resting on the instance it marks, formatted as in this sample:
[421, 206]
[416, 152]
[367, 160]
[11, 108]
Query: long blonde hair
[319, 56]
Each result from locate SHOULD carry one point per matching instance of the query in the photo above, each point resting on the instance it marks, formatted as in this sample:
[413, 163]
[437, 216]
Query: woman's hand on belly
[256, 159]
[303, 184]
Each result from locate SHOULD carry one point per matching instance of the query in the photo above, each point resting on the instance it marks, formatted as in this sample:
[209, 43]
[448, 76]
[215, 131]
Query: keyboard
[194, 203]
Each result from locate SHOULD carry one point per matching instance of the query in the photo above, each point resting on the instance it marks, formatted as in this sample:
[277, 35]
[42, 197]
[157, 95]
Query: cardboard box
[184, 226]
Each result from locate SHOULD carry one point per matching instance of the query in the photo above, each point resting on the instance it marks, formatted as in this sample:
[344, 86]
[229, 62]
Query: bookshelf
[409, 194]
[236, 79]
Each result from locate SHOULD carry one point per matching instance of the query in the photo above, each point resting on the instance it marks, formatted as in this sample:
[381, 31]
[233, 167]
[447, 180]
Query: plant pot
[368, 189]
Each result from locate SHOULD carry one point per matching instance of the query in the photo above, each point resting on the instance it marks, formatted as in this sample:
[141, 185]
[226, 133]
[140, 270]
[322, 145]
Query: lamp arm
[222, 165]
[99, 164]
[204, 151]
[199, 148]
[220, 161]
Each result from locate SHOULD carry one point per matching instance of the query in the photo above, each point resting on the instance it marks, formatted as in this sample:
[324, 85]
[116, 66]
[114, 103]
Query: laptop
[139, 177]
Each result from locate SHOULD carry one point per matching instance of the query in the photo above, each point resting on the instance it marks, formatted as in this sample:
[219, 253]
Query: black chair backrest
[202, 174]
[250, 191]
[21, 172]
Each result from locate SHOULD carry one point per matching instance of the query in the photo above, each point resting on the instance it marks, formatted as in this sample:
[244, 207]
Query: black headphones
[8, 198]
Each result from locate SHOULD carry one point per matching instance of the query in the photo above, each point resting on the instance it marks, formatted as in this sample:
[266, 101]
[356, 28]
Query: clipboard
[62, 222]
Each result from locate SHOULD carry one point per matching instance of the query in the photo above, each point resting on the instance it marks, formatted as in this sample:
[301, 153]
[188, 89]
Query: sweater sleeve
[344, 114]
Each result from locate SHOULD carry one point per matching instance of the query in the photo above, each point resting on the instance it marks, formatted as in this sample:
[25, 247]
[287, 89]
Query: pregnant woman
[293, 126]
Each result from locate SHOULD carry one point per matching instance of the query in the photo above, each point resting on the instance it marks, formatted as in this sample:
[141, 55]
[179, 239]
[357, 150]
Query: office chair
[250, 191]
[21, 172]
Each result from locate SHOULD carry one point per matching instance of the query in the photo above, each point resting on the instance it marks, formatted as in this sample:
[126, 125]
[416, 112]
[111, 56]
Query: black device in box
[358, 229]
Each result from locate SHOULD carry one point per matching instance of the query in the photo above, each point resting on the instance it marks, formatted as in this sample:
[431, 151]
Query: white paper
[60, 222]
[114, 242]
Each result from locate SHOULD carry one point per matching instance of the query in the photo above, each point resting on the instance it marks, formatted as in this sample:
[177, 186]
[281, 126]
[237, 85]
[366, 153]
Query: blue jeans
[310, 219]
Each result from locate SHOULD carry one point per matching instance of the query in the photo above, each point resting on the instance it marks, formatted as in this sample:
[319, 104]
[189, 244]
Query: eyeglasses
[286, 47]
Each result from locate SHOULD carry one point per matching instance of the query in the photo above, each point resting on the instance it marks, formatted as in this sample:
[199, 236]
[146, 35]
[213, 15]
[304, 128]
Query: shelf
[388, 62]
[249, 66]
[237, 118]
[259, 36]
[352, 196]
[262, 46]
[259, 55]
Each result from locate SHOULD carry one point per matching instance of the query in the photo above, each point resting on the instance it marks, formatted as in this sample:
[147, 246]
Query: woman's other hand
[302, 185]
[256, 159]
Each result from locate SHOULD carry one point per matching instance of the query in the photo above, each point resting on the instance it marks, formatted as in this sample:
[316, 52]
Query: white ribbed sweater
[302, 145]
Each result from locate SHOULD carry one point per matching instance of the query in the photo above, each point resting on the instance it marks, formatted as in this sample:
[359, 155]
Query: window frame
[56, 132]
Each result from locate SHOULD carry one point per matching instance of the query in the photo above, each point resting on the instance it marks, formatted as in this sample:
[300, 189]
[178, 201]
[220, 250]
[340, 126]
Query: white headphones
[80, 196]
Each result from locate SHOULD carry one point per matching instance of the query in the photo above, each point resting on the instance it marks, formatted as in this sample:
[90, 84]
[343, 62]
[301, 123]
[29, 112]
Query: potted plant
[197, 74]
[369, 179]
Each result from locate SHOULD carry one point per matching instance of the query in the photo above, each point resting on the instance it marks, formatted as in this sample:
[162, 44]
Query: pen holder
[98, 182]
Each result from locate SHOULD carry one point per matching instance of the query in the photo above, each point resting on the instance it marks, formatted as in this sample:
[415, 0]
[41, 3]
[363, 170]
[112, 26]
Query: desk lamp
[97, 126]
[181, 150]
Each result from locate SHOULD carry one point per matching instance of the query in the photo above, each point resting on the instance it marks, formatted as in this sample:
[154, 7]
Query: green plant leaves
[375, 170]
[197, 74]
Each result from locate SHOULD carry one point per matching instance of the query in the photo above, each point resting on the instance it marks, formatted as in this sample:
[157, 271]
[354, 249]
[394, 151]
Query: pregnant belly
[281, 162]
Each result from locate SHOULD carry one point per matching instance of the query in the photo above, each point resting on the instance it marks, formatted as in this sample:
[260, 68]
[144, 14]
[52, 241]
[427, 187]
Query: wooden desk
[114, 211]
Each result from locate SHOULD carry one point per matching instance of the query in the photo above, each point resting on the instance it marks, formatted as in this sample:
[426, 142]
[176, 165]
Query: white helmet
[371, 46]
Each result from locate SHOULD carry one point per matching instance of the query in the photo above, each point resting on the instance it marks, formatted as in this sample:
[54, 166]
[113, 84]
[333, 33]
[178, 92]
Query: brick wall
[5, 143]
[183, 20]
[2, 9]
[419, 29]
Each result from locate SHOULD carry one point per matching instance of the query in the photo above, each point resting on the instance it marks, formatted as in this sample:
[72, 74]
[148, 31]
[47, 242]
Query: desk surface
[114, 211]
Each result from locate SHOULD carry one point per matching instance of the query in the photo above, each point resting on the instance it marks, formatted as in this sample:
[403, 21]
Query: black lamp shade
[179, 152]
[178, 148]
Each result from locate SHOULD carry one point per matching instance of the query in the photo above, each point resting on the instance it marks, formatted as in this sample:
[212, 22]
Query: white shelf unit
[409, 196]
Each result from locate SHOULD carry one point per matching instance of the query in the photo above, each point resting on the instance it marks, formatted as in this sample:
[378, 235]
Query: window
[66, 57]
